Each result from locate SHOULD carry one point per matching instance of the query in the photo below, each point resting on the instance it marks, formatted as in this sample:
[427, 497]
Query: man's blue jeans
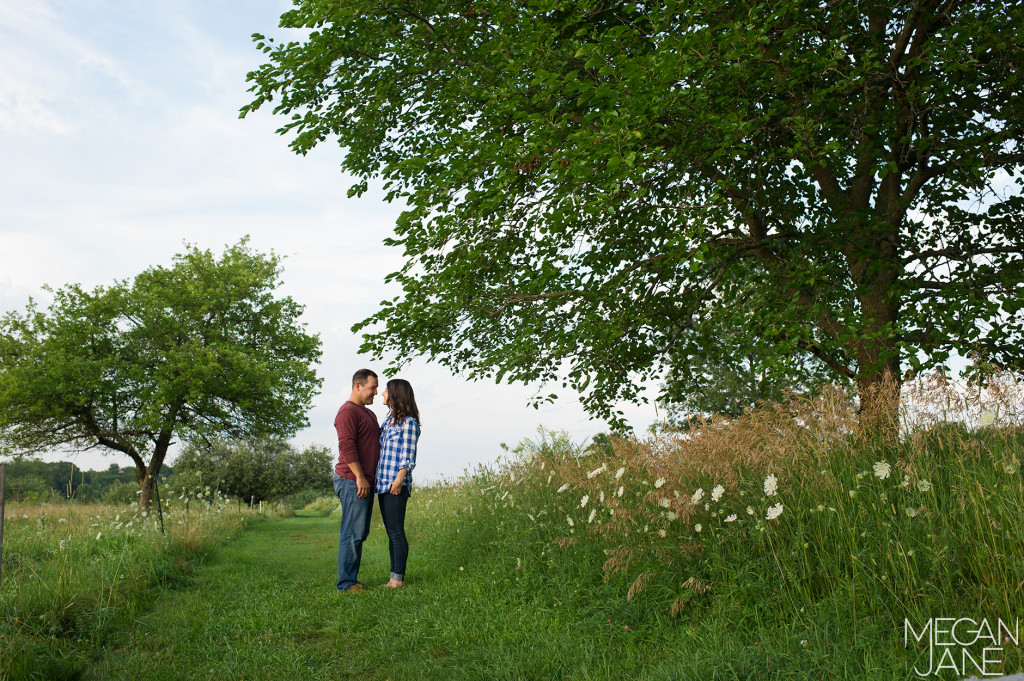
[355, 526]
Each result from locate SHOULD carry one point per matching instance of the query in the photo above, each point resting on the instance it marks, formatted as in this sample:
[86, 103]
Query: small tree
[197, 350]
[254, 470]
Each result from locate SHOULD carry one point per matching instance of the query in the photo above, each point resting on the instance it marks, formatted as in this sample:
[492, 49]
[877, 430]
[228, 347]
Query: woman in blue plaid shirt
[398, 437]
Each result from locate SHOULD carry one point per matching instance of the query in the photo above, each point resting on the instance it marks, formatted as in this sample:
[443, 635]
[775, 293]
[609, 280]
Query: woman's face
[384, 397]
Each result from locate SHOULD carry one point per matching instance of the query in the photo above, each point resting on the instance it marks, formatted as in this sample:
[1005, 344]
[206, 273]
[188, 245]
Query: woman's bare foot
[394, 584]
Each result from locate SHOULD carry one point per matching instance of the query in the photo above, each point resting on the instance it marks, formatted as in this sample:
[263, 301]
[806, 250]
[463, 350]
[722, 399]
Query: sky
[120, 142]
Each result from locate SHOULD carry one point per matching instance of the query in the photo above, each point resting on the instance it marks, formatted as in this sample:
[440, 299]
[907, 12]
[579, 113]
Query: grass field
[780, 546]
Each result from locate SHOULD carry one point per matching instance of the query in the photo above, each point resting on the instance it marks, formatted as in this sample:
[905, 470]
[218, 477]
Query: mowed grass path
[265, 607]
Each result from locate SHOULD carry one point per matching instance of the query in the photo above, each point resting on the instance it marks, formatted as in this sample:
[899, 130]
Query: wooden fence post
[3, 486]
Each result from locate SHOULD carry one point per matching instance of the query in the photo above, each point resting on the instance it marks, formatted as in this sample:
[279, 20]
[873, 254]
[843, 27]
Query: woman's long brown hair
[401, 400]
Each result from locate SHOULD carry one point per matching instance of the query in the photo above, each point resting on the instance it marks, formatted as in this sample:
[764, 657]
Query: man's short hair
[362, 376]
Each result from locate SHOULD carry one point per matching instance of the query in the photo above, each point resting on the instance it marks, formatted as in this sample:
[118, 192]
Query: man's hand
[362, 487]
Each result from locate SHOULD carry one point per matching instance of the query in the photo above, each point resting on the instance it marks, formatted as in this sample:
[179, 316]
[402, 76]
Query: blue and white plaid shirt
[397, 450]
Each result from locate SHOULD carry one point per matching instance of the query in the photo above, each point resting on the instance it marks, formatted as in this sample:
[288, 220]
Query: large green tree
[197, 350]
[595, 187]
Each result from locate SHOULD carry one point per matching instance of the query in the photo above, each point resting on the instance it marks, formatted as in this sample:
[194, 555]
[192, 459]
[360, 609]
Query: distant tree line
[253, 470]
[31, 479]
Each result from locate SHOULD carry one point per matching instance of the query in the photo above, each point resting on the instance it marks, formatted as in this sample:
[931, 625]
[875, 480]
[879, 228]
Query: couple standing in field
[374, 459]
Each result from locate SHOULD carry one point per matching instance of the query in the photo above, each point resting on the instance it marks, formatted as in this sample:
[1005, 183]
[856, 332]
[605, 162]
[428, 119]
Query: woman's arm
[407, 441]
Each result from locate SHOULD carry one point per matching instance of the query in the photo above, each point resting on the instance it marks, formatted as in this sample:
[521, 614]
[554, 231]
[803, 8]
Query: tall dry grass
[788, 516]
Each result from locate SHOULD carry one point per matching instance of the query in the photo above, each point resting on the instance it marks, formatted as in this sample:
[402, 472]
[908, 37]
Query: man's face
[365, 391]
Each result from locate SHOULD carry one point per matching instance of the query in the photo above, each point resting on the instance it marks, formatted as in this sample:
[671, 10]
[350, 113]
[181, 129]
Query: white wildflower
[882, 469]
[600, 497]
[750, 510]
[853, 493]
[1011, 468]
[659, 483]
[774, 512]
[562, 488]
[98, 535]
[730, 518]
[662, 533]
[621, 490]
[569, 520]
[924, 485]
[697, 496]
[717, 493]
[64, 520]
[593, 514]
[771, 484]
[618, 473]
[987, 419]
[596, 471]
[697, 527]
[665, 503]
[671, 515]
[584, 500]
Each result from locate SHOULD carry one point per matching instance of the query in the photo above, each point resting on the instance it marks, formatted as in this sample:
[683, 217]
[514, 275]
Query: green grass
[513, 576]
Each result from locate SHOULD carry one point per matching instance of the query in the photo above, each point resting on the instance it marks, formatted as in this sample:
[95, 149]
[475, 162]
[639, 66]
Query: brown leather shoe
[358, 586]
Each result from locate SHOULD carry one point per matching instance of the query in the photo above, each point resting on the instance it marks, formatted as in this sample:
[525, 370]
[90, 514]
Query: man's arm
[348, 453]
[362, 483]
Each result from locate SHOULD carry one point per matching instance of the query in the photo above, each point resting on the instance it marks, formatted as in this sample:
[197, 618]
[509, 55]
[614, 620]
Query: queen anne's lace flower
[882, 469]
[596, 471]
[697, 496]
[697, 528]
[924, 485]
[771, 485]
[730, 518]
[717, 493]
[659, 483]
[584, 500]
[774, 512]
[618, 473]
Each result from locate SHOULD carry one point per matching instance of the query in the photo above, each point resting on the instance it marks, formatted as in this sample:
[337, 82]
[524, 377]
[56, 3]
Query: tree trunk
[146, 486]
[878, 357]
[147, 475]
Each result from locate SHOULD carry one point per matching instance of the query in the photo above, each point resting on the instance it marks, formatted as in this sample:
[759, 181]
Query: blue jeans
[355, 526]
[392, 512]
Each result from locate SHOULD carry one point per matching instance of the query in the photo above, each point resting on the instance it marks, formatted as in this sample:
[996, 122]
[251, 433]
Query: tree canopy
[595, 189]
[197, 350]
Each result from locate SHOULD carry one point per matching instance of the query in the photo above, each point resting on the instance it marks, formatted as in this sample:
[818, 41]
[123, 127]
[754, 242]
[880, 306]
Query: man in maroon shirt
[358, 451]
